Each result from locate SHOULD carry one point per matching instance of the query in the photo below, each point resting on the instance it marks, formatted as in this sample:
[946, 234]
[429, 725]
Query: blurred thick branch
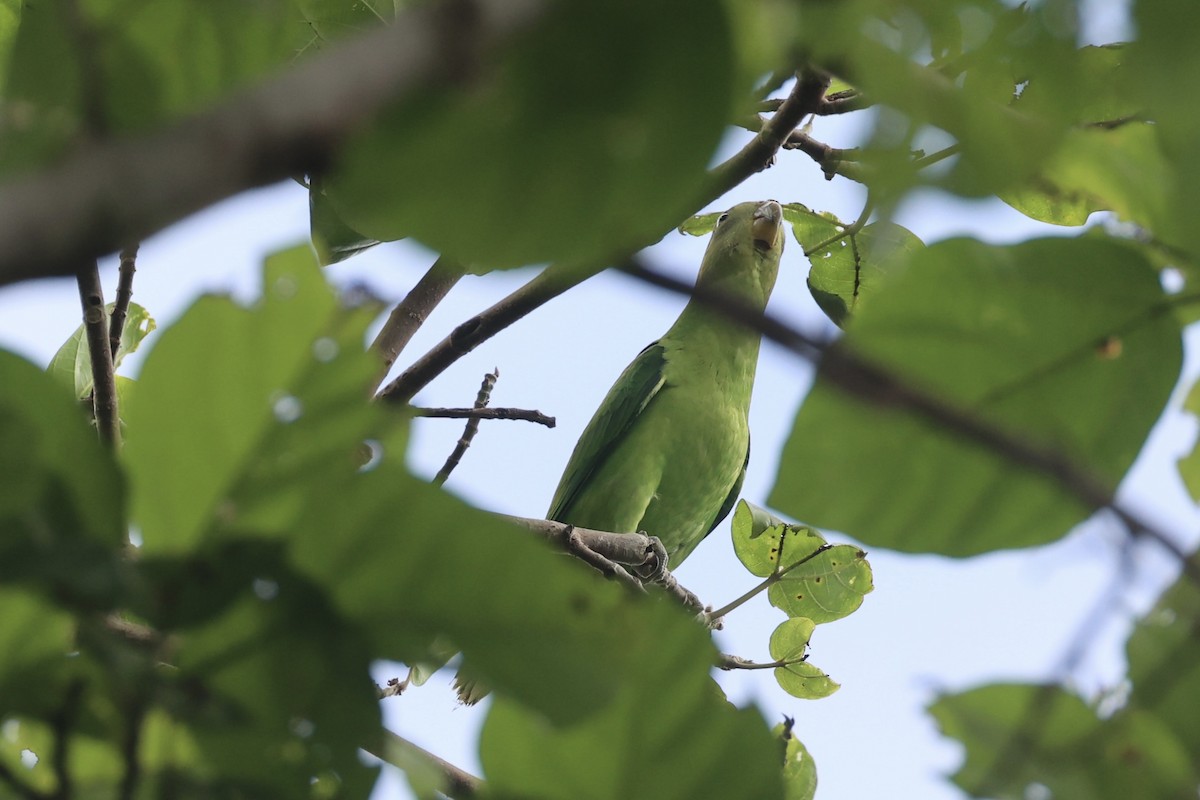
[124, 190]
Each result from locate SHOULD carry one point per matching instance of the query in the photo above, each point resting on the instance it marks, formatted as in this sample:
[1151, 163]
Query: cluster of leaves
[227, 654]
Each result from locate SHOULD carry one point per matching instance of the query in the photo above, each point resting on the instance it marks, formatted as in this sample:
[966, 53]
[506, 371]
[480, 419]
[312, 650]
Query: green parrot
[666, 452]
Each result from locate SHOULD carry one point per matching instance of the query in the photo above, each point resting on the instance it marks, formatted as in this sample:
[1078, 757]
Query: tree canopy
[200, 565]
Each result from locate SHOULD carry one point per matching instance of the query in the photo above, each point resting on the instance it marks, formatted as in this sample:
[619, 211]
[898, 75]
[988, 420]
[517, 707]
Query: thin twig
[104, 386]
[478, 413]
[728, 662]
[116, 324]
[766, 583]
[873, 384]
[472, 427]
[556, 279]
[411, 312]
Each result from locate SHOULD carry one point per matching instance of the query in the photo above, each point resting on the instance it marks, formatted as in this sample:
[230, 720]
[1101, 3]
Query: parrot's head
[743, 256]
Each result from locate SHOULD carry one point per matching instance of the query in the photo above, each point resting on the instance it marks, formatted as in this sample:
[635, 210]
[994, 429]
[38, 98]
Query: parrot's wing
[727, 506]
[638, 385]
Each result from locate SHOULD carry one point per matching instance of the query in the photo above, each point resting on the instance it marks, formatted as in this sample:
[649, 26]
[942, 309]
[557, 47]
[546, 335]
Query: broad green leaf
[148, 63]
[1018, 736]
[1164, 662]
[276, 690]
[286, 378]
[799, 771]
[789, 641]
[35, 639]
[695, 744]
[1067, 344]
[1121, 169]
[334, 19]
[759, 538]
[565, 146]
[847, 266]
[10, 20]
[72, 364]
[824, 588]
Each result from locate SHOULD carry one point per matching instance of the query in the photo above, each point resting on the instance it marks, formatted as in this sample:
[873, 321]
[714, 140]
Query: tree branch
[105, 195]
[403, 754]
[410, 314]
[556, 279]
[478, 413]
[876, 385]
[104, 385]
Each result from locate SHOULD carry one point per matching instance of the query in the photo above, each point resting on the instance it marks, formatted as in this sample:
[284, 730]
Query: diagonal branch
[410, 314]
[116, 324]
[123, 190]
[874, 384]
[556, 279]
[480, 412]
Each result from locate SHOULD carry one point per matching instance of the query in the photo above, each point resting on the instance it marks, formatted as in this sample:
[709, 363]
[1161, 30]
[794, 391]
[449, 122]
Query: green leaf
[824, 588]
[567, 145]
[332, 238]
[847, 267]
[693, 744]
[148, 62]
[799, 771]
[35, 639]
[72, 364]
[759, 538]
[789, 643]
[1015, 336]
[62, 499]
[287, 378]
[1095, 169]
[1017, 736]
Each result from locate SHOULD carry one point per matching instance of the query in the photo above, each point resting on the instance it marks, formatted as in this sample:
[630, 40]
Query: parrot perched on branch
[666, 452]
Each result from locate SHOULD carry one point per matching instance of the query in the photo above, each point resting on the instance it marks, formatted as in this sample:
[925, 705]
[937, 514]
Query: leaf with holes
[799, 678]
[759, 537]
[823, 588]
[846, 266]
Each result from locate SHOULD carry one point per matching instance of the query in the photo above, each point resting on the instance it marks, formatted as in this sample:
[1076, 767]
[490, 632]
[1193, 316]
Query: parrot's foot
[654, 568]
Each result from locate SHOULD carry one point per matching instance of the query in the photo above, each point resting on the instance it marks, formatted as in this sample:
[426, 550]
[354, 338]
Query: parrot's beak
[768, 220]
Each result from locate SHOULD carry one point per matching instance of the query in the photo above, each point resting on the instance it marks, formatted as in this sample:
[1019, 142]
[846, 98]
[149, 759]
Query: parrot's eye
[721, 219]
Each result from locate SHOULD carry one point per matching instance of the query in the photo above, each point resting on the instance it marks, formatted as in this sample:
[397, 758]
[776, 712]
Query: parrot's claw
[654, 568]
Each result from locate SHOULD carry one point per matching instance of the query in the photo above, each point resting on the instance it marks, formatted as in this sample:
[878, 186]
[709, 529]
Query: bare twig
[831, 160]
[116, 324]
[728, 662]
[123, 190]
[632, 549]
[555, 280]
[478, 413]
[104, 386]
[472, 427]
[410, 314]
[871, 383]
